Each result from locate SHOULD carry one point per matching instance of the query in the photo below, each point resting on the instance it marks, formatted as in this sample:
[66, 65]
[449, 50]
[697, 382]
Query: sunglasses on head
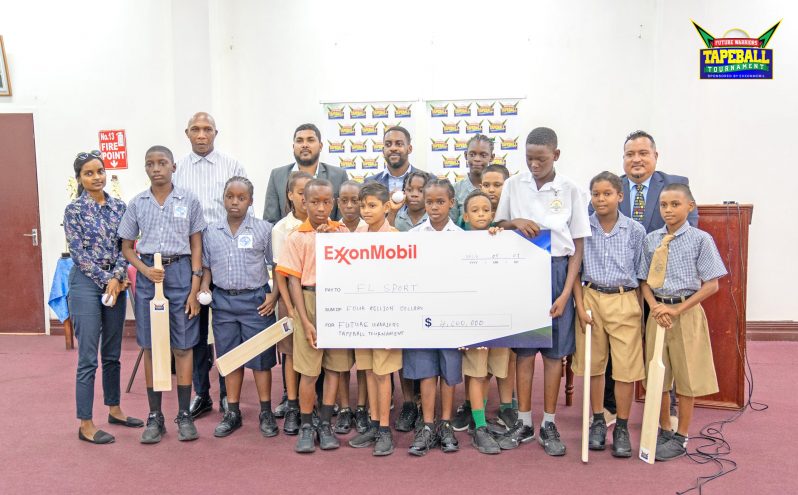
[92, 153]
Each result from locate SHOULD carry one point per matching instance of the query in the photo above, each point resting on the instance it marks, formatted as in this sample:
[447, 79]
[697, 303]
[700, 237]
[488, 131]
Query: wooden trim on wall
[57, 328]
[772, 331]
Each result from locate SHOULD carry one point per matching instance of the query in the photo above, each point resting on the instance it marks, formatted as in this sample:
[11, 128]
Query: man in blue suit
[642, 185]
[396, 149]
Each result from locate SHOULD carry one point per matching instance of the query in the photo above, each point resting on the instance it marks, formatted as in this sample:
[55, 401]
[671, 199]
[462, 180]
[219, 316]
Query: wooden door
[21, 292]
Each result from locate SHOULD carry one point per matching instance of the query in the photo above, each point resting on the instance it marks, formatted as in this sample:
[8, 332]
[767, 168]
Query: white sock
[525, 417]
[547, 418]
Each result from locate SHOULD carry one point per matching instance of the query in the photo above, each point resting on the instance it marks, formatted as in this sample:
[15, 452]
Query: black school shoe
[344, 421]
[268, 425]
[484, 441]
[200, 405]
[327, 439]
[407, 417]
[621, 445]
[597, 439]
[291, 423]
[462, 417]
[365, 439]
[426, 438]
[507, 417]
[186, 431]
[100, 437]
[155, 428]
[282, 407]
[448, 441]
[384, 445]
[231, 421]
[663, 436]
[520, 433]
[362, 420]
[306, 443]
[549, 438]
[672, 449]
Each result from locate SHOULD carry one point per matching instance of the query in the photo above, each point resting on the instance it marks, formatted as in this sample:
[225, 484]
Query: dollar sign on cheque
[427, 322]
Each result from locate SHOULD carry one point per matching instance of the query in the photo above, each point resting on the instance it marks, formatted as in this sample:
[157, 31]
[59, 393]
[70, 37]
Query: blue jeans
[96, 326]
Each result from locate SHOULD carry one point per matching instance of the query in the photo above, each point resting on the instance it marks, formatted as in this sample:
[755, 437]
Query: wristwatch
[197, 273]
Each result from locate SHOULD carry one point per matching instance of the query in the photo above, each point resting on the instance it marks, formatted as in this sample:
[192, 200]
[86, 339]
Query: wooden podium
[728, 226]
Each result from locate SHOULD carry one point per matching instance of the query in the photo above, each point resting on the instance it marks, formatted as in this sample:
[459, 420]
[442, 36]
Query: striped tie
[639, 209]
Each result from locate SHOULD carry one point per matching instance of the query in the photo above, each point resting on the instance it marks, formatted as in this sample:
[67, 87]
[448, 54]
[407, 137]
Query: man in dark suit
[396, 149]
[642, 185]
[307, 148]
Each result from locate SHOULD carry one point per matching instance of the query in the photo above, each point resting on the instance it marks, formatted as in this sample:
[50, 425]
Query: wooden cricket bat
[651, 409]
[159, 331]
[236, 357]
[587, 412]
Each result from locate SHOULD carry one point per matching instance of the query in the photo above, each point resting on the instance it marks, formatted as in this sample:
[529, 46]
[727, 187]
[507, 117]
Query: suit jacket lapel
[652, 199]
[322, 171]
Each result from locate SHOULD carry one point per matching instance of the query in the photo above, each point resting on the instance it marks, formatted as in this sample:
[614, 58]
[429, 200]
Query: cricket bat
[159, 331]
[587, 412]
[651, 409]
[236, 357]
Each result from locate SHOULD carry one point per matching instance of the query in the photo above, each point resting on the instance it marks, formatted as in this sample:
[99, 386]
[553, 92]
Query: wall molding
[57, 328]
[772, 331]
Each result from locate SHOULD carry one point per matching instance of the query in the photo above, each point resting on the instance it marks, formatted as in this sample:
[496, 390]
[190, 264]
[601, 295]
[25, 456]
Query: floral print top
[93, 242]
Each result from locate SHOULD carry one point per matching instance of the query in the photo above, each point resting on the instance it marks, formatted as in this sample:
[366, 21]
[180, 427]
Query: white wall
[592, 70]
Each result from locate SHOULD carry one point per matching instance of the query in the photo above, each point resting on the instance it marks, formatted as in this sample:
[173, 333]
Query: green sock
[479, 417]
[505, 405]
[467, 403]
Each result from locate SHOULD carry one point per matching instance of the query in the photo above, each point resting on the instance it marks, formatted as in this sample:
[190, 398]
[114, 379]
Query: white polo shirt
[559, 206]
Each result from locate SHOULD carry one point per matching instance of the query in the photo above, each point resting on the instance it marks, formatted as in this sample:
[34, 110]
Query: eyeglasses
[92, 153]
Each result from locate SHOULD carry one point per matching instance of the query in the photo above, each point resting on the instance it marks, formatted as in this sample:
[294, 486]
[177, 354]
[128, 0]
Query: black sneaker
[448, 441]
[672, 449]
[282, 407]
[384, 445]
[344, 421]
[484, 442]
[549, 438]
[291, 423]
[231, 421]
[407, 417]
[597, 440]
[315, 418]
[507, 417]
[362, 420]
[186, 431]
[621, 445]
[365, 439]
[155, 428]
[521, 433]
[424, 440]
[268, 426]
[306, 443]
[336, 409]
[663, 436]
[327, 439]
[462, 417]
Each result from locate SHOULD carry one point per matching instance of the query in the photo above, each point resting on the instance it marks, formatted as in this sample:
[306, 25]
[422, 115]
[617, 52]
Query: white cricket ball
[204, 298]
[107, 299]
[398, 197]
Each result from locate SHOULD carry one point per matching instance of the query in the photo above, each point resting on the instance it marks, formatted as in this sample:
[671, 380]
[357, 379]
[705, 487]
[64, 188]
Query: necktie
[659, 263]
[639, 208]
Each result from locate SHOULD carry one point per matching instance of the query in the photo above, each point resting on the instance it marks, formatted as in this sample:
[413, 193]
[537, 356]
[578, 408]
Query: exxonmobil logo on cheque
[373, 252]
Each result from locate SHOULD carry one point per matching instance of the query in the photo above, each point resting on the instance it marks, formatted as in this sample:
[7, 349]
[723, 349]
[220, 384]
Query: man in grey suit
[307, 148]
[642, 185]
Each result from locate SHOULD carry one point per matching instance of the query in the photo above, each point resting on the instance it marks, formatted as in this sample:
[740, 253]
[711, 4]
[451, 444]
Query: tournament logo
[462, 111]
[368, 129]
[451, 127]
[474, 127]
[335, 113]
[377, 146]
[439, 111]
[442, 145]
[379, 112]
[451, 161]
[347, 163]
[386, 126]
[460, 144]
[369, 163]
[497, 126]
[499, 160]
[486, 109]
[736, 55]
[458, 176]
[444, 175]
[346, 130]
[508, 108]
[402, 112]
[357, 178]
[357, 112]
[357, 146]
[337, 146]
[508, 144]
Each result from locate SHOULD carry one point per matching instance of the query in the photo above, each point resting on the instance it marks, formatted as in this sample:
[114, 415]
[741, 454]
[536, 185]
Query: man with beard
[396, 148]
[307, 148]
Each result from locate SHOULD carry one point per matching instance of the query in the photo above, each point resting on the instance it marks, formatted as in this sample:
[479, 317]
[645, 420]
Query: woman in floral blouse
[97, 285]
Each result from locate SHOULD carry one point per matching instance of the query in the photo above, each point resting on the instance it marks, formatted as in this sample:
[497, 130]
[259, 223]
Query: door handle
[34, 234]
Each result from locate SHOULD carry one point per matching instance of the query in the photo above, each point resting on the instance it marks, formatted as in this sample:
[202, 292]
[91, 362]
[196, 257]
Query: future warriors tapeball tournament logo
[736, 55]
